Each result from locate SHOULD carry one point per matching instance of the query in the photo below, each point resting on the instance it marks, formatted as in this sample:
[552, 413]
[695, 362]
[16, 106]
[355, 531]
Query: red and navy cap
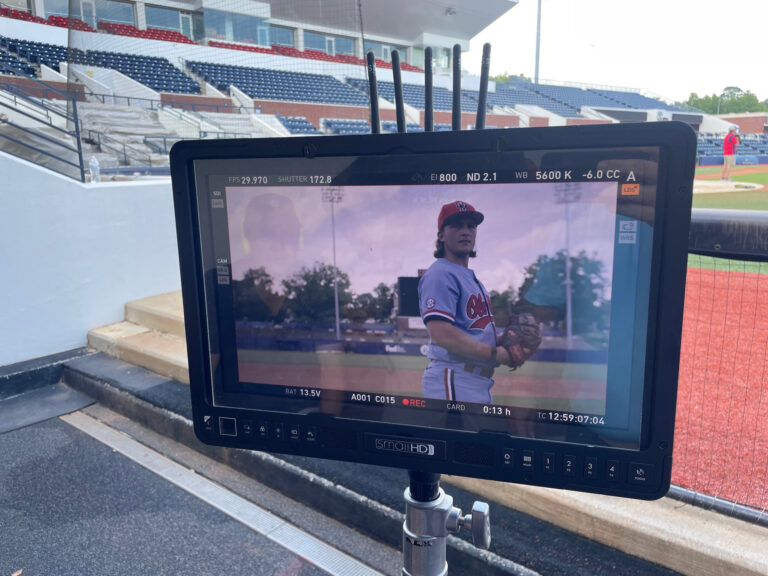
[458, 208]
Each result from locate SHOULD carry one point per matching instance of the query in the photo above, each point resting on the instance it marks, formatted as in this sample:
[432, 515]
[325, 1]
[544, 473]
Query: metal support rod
[456, 111]
[482, 99]
[399, 105]
[430, 517]
[373, 93]
[429, 115]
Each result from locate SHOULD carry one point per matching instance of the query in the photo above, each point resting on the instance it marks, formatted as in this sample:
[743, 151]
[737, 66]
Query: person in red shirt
[730, 142]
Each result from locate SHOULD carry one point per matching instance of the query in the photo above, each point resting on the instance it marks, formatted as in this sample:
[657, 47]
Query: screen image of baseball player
[463, 349]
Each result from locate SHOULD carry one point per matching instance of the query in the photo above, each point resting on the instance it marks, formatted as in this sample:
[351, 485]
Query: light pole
[334, 195]
[567, 194]
[538, 43]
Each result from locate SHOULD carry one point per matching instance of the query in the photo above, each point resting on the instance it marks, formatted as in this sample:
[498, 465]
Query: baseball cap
[457, 208]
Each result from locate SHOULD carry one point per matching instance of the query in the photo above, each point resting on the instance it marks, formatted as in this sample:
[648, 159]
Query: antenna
[399, 106]
[373, 93]
[482, 100]
[429, 114]
[456, 112]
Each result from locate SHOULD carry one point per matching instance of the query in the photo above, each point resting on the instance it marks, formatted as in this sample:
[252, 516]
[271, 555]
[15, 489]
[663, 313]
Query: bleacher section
[73, 23]
[389, 126]
[149, 33]
[634, 100]
[13, 66]
[266, 84]
[36, 52]
[156, 73]
[346, 126]
[413, 95]
[298, 125]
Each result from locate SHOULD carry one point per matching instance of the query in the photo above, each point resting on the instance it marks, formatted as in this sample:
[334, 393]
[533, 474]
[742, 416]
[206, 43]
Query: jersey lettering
[478, 312]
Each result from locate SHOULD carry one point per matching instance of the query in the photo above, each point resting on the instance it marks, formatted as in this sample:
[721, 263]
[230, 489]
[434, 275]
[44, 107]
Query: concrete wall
[73, 254]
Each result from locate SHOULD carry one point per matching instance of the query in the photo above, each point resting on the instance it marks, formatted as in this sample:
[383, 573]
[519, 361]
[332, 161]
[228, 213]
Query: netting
[721, 432]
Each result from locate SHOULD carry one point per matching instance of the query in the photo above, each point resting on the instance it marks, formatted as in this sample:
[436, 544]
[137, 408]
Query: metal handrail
[103, 141]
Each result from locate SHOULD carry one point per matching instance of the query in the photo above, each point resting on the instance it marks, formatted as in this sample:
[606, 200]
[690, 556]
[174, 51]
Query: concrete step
[163, 313]
[151, 336]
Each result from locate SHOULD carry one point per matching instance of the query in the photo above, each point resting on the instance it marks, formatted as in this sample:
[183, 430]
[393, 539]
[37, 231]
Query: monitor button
[262, 429]
[612, 471]
[590, 468]
[227, 426]
[569, 465]
[247, 428]
[294, 432]
[508, 458]
[641, 474]
[548, 462]
[278, 430]
[528, 461]
[310, 434]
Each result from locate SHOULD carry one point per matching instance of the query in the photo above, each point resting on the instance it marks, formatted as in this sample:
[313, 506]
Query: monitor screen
[367, 281]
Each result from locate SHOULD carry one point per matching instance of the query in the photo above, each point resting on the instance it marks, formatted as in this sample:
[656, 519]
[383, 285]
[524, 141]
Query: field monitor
[303, 266]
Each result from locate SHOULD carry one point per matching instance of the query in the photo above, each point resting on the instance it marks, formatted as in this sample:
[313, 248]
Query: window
[57, 8]
[383, 51]
[163, 18]
[111, 11]
[328, 43]
[314, 41]
[281, 36]
[235, 27]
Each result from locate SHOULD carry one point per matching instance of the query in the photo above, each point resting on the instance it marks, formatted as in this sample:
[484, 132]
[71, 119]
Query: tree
[255, 299]
[544, 286]
[500, 304]
[367, 306]
[506, 77]
[309, 293]
[732, 100]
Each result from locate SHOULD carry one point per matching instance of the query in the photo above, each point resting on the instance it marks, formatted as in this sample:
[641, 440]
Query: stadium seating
[413, 95]
[344, 126]
[298, 125]
[13, 66]
[389, 126]
[149, 33]
[156, 73]
[36, 52]
[245, 47]
[266, 84]
[73, 23]
[21, 15]
[633, 100]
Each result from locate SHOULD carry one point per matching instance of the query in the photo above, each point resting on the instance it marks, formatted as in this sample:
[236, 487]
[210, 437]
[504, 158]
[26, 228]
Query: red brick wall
[37, 90]
[502, 121]
[193, 102]
[313, 112]
[538, 122]
[749, 124]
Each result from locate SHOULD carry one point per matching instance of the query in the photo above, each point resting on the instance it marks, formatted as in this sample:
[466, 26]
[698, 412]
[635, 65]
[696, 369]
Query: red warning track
[721, 429]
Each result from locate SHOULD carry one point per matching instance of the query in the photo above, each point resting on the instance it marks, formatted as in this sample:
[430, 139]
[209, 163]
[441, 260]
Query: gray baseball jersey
[452, 293]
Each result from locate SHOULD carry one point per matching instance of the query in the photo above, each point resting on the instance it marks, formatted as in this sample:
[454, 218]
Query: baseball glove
[521, 337]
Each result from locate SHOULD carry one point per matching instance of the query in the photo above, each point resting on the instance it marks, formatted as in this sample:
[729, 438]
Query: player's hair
[440, 250]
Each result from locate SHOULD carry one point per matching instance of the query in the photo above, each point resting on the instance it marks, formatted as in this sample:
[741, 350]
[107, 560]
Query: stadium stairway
[685, 538]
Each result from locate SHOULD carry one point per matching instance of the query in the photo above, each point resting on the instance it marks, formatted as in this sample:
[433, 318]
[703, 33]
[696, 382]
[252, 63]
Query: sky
[384, 232]
[668, 47]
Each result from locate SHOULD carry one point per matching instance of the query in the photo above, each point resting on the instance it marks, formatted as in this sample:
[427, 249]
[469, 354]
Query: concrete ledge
[685, 538]
[162, 353]
[164, 313]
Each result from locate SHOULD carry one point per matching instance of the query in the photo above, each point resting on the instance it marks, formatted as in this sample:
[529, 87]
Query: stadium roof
[406, 19]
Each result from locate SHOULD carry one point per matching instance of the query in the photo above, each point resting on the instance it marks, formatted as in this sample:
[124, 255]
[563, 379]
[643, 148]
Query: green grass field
[746, 200]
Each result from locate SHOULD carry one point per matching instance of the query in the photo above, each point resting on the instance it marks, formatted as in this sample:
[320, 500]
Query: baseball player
[456, 308]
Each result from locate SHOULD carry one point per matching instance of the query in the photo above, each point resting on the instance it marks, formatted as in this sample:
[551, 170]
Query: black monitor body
[286, 244]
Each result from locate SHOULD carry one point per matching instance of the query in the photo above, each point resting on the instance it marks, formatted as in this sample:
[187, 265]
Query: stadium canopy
[419, 22]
